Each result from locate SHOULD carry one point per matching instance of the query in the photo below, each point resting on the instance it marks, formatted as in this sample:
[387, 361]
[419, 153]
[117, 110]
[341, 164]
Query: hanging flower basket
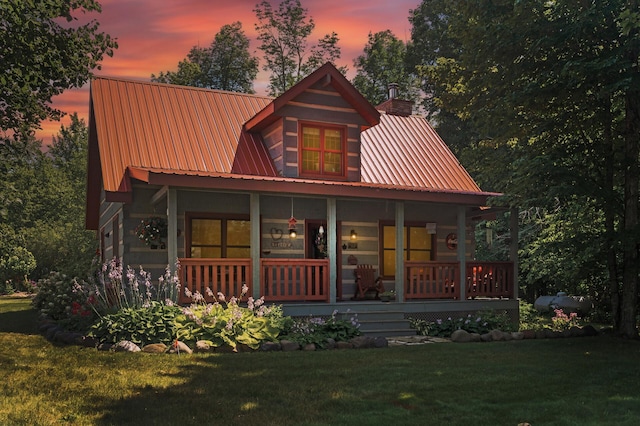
[152, 230]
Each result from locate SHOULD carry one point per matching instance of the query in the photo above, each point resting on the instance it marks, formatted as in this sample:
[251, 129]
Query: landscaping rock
[380, 342]
[270, 347]
[486, 337]
[331, 343]
[475, 337]
[309, 347]
[362, 342]
[344, 345]
[155, 348]
[497, 335]
[288, 345]
[529, 334]
[87, 342]
[461, 336]
[126, 346]
[105, 346]
[517, 335]
[202, 346]
[179, 347]
[541, 334]
[577, 332]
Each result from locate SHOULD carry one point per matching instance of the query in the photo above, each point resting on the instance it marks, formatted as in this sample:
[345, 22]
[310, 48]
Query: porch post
[513, 249]
[399, 285]
[172, 229]
[254, 216]
[462, 249]
[332, 238]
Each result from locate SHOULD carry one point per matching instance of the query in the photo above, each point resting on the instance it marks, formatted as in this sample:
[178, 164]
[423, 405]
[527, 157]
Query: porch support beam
[159, 195]
[462, 250]
[254, 216]
[399, 284]
[332, 241]
[513, 249]
[172, 228]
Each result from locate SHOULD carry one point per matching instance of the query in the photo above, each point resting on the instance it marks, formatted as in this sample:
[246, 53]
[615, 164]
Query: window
[418, 245]
[322, 151]
[220, 237]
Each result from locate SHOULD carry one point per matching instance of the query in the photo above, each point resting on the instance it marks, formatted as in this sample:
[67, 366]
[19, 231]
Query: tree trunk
[609, 208]
[628, 326]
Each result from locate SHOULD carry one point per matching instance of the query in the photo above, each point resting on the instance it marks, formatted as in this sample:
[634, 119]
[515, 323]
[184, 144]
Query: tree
[41, 56]
[383, 63]
[283, 36]
[558, 85]
[225, 65]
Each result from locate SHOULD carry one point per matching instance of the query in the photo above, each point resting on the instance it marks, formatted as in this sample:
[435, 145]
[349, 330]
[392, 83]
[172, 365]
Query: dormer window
[322, 151]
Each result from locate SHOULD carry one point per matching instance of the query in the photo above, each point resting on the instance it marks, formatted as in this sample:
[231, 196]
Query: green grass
[583, 381]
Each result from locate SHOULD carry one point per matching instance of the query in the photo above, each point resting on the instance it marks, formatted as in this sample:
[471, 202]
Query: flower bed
[120, 305]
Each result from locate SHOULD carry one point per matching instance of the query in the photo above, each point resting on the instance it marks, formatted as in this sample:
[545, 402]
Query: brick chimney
[395, 106]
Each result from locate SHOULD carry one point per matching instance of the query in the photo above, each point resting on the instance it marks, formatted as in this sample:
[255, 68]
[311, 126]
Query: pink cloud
[155, 36]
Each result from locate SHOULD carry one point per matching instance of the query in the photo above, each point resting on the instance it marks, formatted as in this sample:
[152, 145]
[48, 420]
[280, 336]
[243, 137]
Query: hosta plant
[226, 322]
[154, 323]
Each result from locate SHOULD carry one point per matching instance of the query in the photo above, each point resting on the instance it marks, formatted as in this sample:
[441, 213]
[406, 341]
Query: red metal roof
[176, 135]
[139, 124]
[407, 152]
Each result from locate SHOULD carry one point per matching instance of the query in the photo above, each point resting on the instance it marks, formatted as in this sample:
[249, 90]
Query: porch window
[220, 238]
[418, 245]
[322, 151]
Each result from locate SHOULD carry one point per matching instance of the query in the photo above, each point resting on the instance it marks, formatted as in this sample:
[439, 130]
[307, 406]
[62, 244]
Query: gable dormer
[313, 129]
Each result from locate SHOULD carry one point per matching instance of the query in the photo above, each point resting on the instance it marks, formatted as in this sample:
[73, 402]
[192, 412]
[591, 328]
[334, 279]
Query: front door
[316, 246]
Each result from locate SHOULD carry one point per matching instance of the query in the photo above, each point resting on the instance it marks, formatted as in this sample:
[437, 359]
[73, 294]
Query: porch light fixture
[321, 230]
[292, 224]
[354, 235]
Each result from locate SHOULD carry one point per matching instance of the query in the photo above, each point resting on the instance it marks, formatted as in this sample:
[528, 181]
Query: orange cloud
[154, 36]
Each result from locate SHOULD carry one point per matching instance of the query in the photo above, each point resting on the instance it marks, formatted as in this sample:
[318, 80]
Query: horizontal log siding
[294, 280]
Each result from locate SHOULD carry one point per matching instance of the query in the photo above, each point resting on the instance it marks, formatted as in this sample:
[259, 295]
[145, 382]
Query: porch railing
[294, 280]
[431, 280]
[489, 279]
[210, 276]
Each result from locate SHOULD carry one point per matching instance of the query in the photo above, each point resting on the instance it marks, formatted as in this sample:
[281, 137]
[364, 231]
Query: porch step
[382, 323]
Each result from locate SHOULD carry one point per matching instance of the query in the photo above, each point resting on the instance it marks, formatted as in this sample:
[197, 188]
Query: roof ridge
[177, 86]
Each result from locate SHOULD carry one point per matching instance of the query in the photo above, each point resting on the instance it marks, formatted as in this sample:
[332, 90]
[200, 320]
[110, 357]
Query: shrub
[562, 321]
[530, 319]
[56, 296]
[318, 330]
[482, 322]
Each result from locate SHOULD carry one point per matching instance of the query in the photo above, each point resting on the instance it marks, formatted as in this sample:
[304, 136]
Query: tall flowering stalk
[115, 288]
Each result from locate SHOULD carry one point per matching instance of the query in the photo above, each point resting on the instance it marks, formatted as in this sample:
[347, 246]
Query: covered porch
[309, 280]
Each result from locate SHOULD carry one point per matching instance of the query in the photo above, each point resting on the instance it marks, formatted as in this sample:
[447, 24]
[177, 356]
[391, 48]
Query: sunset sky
[154, 36]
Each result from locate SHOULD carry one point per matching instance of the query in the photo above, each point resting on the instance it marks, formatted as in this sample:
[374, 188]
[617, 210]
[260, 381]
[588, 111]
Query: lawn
[581, 381]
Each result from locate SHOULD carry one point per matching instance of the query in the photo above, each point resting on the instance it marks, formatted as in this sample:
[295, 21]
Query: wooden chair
[366, 281]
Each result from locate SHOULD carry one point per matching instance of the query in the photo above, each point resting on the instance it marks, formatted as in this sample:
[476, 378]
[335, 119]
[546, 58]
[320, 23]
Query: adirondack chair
[366, 281]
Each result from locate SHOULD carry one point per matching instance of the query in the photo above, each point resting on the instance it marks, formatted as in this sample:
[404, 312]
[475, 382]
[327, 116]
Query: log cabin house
[236, 175]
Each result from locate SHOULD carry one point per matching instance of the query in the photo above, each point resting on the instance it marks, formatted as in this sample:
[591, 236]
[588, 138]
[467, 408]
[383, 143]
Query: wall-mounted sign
[452, 241]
